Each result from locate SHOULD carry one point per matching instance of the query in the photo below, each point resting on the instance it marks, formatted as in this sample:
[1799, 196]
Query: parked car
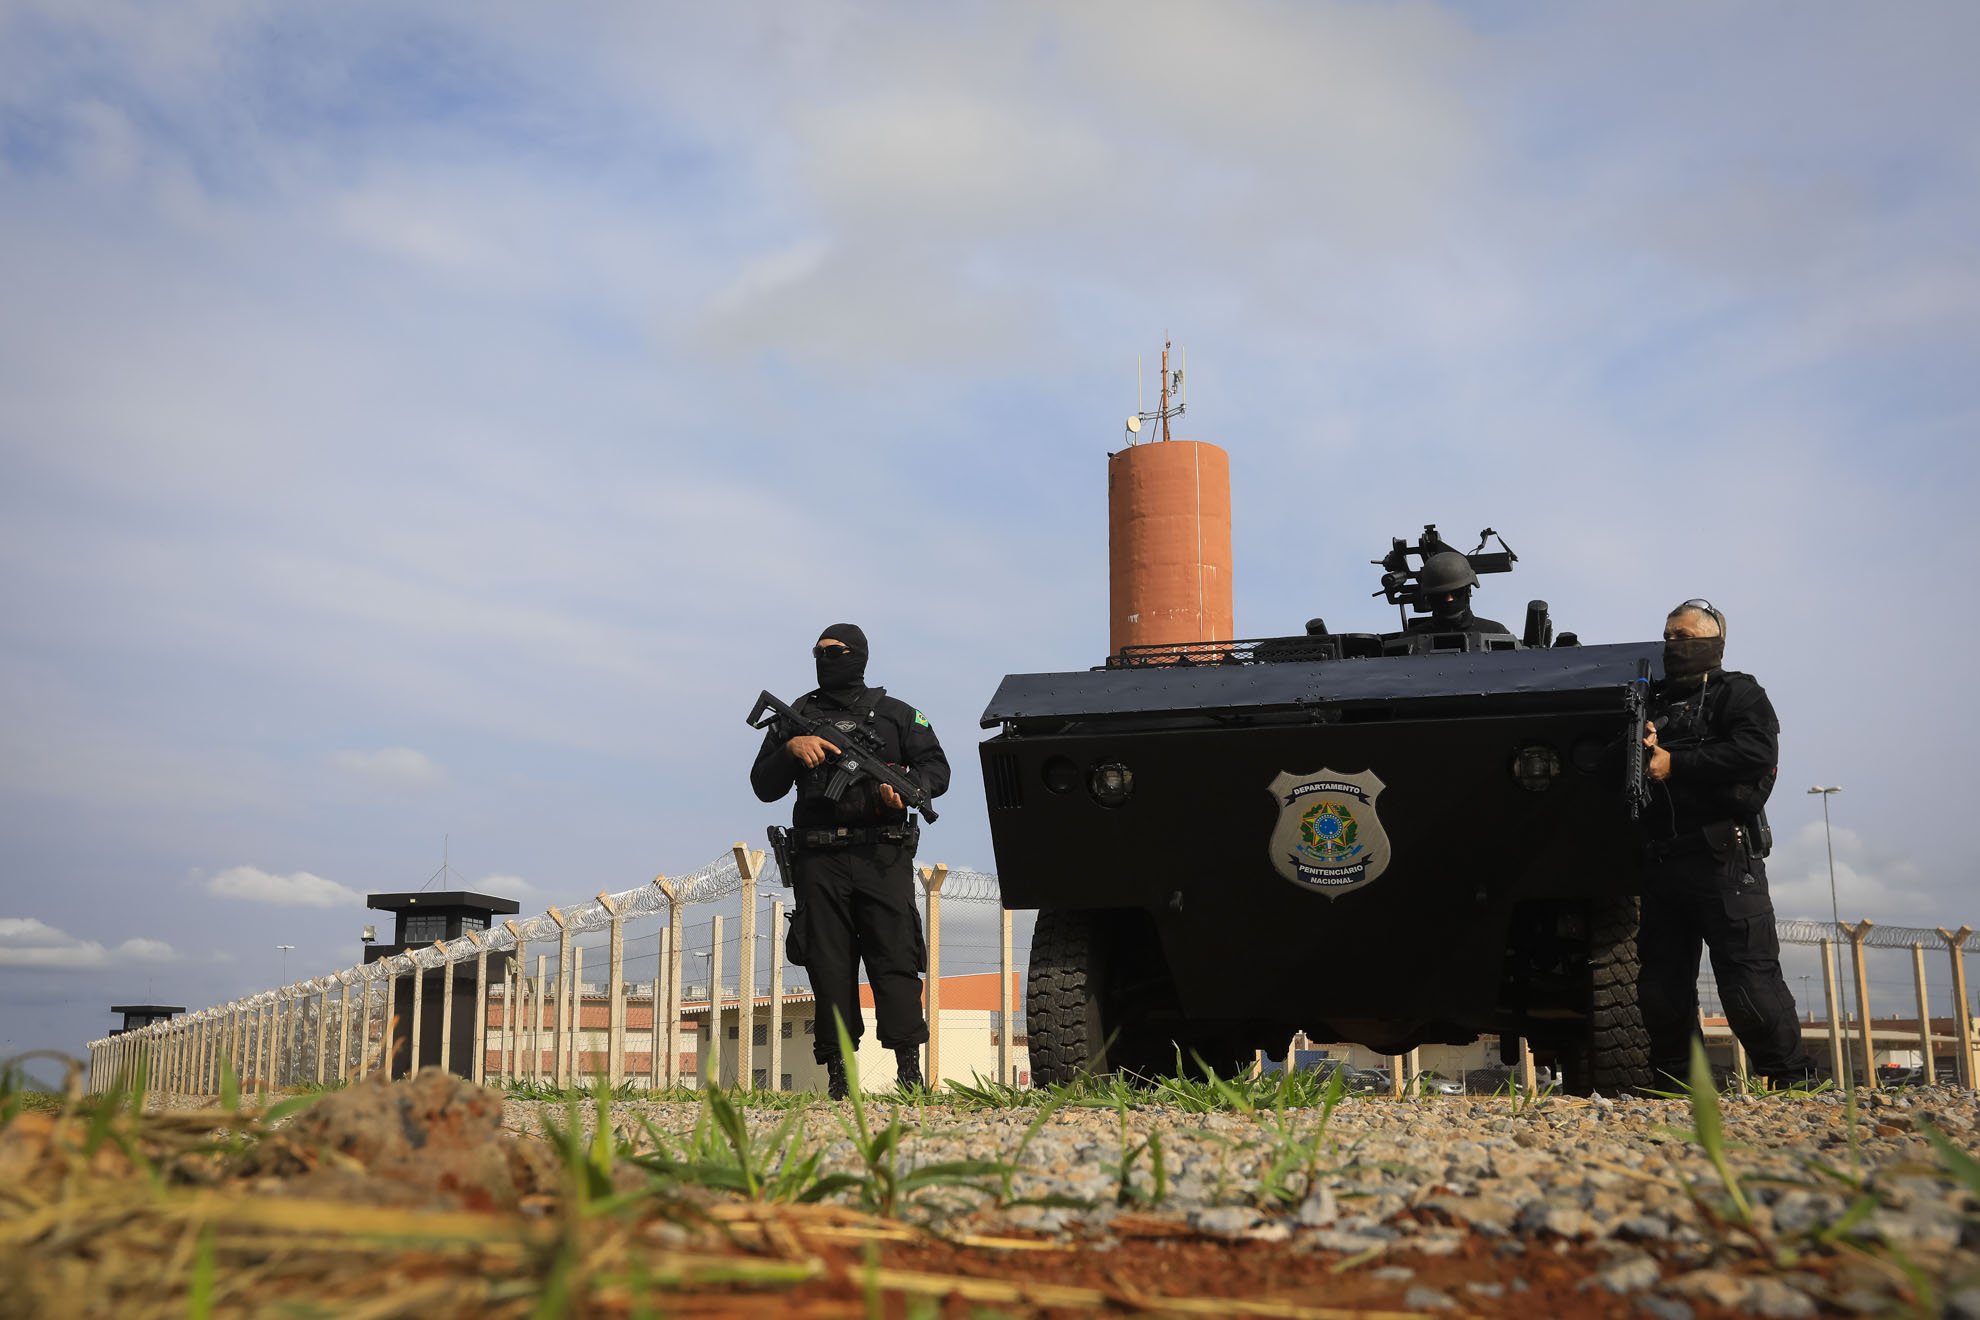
[1498, 1079]
[1367, 1080]
[1435, 1083]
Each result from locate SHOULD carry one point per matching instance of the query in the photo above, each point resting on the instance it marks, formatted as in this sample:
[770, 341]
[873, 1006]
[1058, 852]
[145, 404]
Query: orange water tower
[1168, 534]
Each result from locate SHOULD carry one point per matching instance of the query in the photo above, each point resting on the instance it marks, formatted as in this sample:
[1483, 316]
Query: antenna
[446, 865]
[1172, 385]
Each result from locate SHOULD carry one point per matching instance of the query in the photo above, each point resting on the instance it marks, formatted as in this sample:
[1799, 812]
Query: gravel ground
[1390, 1186]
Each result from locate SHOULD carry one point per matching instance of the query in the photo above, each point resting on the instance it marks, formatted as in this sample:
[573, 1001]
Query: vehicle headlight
[1536, 768]
[1112, 784]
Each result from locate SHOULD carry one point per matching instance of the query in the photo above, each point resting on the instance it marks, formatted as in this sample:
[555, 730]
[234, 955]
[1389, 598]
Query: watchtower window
[472, 922]
[425, 927]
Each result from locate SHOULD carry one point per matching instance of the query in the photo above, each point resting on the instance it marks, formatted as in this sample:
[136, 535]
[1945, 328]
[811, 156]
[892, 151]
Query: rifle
[851, 764]
[1636, 757]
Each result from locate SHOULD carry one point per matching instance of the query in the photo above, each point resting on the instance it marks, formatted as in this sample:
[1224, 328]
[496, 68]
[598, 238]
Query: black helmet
[1445, 571]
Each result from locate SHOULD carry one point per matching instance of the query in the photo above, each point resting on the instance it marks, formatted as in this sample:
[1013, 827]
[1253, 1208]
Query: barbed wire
[1799, 931]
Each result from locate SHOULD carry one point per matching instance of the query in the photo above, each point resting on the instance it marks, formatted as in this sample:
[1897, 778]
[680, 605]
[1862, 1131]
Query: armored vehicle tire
[1614, 1053]
[1092, 996]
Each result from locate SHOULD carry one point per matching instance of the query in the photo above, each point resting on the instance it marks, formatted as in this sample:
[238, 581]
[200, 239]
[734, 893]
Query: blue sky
[441, 419]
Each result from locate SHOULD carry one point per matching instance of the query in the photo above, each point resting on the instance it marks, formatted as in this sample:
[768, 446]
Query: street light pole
[285, 961]
[1835, 912]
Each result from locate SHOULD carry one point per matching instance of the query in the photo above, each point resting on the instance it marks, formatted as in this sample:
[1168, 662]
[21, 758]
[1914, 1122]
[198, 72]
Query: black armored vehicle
[1388, 838]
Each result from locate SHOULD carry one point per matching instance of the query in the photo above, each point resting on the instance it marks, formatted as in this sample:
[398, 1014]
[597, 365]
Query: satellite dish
[1134, 426]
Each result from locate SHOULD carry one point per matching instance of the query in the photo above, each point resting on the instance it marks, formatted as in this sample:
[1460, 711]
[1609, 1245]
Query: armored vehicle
[1387, 838]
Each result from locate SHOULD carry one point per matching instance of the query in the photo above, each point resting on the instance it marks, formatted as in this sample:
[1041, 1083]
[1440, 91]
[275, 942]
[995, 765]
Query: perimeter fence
[519, 1027]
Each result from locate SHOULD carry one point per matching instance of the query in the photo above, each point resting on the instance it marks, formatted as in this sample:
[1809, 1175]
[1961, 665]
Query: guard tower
[422, 919]
[139, 1016]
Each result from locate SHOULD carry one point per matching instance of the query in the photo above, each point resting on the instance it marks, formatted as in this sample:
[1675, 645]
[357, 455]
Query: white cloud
[30, 942]
[1886, 887]
[298, 890]
[391, 767]
[506, 886]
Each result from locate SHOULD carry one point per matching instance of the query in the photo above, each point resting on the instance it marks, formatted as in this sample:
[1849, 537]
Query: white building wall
[969, 1050]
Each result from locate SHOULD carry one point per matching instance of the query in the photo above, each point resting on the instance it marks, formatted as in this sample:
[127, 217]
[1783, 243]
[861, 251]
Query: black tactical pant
[856, 904]
[1722, 904]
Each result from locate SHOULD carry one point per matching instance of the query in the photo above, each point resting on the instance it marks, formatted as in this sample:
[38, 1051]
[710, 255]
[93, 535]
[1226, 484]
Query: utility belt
[1721, 838]
[786, 844]
[818, 838]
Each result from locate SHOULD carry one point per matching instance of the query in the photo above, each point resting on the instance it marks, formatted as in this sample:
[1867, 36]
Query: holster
[780, 848]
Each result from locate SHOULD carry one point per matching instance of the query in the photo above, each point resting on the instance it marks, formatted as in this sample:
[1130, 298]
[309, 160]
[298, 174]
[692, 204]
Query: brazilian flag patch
[922, 720]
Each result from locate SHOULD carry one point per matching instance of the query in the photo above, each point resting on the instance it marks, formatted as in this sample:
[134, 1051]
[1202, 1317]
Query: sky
[426, 426]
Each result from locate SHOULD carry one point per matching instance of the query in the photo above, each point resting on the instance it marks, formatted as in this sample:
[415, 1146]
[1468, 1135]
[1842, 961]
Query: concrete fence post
[749, 865]
[1962, 1015]
[344, 1029]
[291, 1070]
[1529, 1075]
[932, 878]
[577, 1016]
[446, 1009]
[236, 1058]
[1925, 1048]
[541, 1070]
[1397, 1062]
[275, 1023]
[363, 1061]
[388, 1046]
[478, 1072]
[512, 1005]
[775, 1076]
[1857, 934]
[267, 1025]
[557, 1027]
[1838, 1056]
[322, 1034]
[711, 1067]
[615, 994]
[667, 1063]
[418, 1010]
[1006, 996]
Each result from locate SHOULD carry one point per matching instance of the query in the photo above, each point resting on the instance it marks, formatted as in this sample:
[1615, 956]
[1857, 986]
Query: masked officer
[854, 859]
[1445, 586]
[1712, 748]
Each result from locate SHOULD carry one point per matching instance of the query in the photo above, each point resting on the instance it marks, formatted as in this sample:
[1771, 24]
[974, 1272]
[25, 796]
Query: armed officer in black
[1712, 749]
[854, 858]
[1446, 585]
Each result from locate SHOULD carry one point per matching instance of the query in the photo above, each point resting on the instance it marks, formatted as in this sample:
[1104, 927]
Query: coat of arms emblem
[1328, 836]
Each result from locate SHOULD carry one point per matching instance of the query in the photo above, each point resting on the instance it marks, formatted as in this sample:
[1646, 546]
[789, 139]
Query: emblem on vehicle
[1328, 836]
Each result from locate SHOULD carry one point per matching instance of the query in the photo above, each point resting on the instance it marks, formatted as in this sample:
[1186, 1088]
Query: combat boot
[836, 1085]
[907, 1069]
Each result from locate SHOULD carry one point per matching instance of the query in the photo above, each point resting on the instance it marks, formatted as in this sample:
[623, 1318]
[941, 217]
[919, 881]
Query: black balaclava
[844, 676]
[1687, 659]
[1454, 613]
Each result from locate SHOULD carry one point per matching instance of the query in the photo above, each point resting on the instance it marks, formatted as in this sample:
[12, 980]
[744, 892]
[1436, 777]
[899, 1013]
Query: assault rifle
[1636, 757]
[850, 764]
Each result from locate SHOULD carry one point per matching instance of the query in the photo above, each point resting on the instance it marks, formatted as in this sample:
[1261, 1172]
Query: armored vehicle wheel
[1613, 1055]
[1095, 980]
